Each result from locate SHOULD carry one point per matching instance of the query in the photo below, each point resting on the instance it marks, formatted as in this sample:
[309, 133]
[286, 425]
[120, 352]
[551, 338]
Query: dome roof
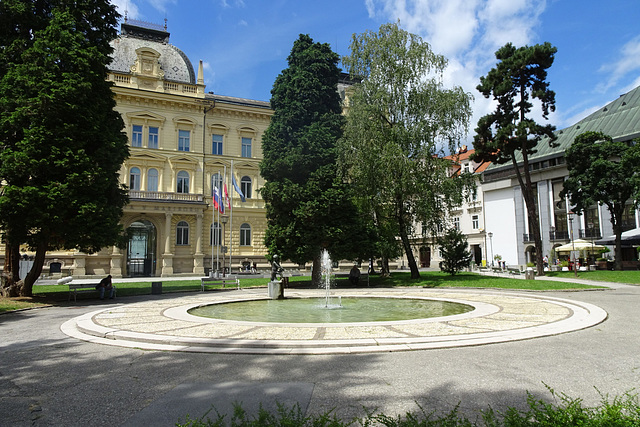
[174, 63]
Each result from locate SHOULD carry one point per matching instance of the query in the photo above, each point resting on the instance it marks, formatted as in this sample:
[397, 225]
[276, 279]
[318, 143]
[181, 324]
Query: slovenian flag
[235, 185]
[217, 201]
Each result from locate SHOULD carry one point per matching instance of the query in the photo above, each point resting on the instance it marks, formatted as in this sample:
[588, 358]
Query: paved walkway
[49, 378]
[165, 324]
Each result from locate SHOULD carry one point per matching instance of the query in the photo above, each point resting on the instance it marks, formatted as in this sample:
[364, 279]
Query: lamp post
[573, 244]
[223, 220]
[591, 232]
[490, 234]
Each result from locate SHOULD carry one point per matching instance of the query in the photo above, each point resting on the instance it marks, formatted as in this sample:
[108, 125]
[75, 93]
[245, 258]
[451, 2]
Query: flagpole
[216, 235]
[213, 232]
[231, 220]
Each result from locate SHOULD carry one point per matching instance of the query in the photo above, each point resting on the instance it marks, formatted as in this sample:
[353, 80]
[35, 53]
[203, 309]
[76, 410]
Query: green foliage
[603, 171]
[453, 247]
[399, 119]
[308, 206]
[61, 141]
[563, 411]
[517, 79]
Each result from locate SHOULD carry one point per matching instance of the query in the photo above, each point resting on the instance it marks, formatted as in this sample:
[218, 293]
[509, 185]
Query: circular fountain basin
[345, 310]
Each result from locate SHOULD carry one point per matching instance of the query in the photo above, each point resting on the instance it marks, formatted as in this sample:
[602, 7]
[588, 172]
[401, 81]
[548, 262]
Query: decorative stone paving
[162, 323]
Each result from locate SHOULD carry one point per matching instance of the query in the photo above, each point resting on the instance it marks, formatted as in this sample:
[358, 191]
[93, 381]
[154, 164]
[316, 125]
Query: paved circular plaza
[163, 323]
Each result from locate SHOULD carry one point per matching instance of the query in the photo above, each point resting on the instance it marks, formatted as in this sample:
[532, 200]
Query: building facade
[504, 206]
[184, 143]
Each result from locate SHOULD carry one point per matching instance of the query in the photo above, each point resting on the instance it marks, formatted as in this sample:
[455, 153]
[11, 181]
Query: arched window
[245, 186]
[182, 233]
[134, 178]
[215, 235]
[183, 182]
[216, 181]
[245, 235]
[152, 180]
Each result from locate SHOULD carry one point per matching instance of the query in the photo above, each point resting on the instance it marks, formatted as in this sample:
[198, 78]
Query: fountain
[326, 269]
[310, 310]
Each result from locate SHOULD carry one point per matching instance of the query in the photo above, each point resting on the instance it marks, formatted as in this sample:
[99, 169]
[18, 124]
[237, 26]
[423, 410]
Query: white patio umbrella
[579, 245]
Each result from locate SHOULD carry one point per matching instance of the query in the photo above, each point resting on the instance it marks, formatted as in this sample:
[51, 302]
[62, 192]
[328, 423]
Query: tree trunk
[316, 272]
[616, 222]
[10, 285]
[384, 267]
[532, 214]
[406, 244]
[36, 270]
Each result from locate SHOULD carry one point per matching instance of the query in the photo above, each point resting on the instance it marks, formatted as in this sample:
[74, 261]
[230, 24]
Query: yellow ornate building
[184, 142]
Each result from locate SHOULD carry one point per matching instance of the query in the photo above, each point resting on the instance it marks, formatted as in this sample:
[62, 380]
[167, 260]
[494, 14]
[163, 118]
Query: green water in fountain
[313, 310]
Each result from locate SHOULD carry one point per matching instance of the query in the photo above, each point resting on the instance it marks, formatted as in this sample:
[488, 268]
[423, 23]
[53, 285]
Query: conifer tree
[308, 206]
[61, 141]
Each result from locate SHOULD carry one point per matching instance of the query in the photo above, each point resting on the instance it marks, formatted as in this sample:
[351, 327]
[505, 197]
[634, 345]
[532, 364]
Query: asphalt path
[50, 379]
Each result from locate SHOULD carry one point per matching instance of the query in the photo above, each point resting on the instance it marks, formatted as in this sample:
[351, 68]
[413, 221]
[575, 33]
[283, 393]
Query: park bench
[211, 281]
[81, 288]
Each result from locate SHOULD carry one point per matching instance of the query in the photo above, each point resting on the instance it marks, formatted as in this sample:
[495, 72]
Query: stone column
[116, 262]
[79, 263]
[167, 256]
[198, 258]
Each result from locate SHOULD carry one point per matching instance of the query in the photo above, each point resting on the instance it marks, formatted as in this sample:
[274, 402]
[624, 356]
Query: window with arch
[245, 186]
[134, 178]
[183, 182]
[246, 147]
[215, 235]
[182, 233]
[152, 180]
[245, 235]
[184, 139]
[216, 181]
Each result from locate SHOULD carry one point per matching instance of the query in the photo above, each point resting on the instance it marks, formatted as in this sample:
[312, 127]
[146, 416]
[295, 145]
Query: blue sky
[244, 43]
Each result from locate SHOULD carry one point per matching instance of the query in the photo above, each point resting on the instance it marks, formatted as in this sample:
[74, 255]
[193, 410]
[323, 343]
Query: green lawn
[56, 294]
[627, 276]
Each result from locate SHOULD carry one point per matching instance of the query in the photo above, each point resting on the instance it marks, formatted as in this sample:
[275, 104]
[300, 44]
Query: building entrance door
[141, 250]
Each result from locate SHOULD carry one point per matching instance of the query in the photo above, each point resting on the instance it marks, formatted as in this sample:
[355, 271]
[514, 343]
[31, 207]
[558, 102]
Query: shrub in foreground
[564, 411]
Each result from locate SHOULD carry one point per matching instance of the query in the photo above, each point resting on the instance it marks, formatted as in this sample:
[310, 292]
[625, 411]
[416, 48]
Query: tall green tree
[455, 255]
[61, 141]
[399, 118]
[509, 134]
[603, 171]
[308, 206]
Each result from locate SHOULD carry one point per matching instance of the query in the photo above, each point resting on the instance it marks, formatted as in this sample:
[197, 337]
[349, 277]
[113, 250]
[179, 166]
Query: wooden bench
[210, 281]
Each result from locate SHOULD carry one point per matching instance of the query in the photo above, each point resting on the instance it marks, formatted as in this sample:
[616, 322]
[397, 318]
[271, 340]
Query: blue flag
[235, 185]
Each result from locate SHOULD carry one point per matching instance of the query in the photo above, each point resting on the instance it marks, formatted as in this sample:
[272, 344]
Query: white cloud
[161, 5]
[628, 62]
[128, 7]
[467, 32]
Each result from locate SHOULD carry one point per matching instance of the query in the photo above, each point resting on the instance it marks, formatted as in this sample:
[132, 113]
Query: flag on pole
[235, 185]
[217, 201]
[226, 197]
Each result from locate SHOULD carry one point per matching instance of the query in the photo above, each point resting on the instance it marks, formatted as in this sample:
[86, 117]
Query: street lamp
[490, 234]
[591, 231]
[223, 220]
[573, 244]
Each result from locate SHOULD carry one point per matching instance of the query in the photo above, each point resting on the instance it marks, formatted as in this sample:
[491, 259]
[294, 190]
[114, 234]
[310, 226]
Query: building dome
[136, 35]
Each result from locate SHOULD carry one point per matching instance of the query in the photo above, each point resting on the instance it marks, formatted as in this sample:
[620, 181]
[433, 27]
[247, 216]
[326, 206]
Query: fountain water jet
[326, 280]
